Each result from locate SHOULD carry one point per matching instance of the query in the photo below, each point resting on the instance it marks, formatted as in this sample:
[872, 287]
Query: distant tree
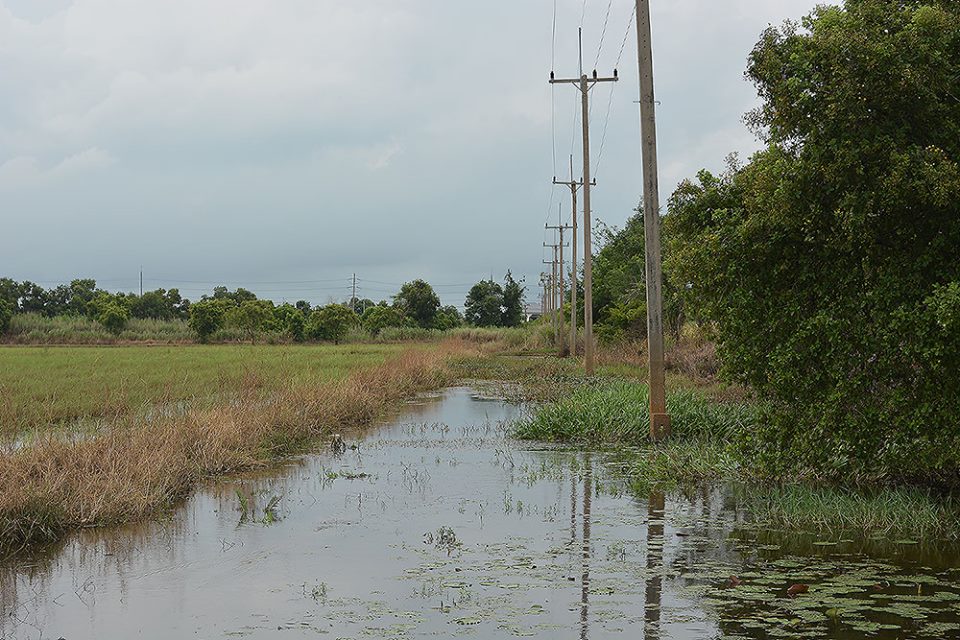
[33, 298]
[251, 317]
[361, 305]
[376, 319]
[331, 323]
[448, 318]
[81, 292]
[290, 320]
[418, 301]
[10, 293]
[6, 313]
[152, 304]
[239, 296]
[484, 304]
[513, 292]
[304, 307]
[113, 316]
[206, 318]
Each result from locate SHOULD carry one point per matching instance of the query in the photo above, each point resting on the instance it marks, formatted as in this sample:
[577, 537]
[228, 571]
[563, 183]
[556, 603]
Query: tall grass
[617, 412]
[30, 328]
[902, 510]
[135, 470]
[45, 386]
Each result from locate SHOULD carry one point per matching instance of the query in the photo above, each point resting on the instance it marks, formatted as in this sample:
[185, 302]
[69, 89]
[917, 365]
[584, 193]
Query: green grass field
[42, 386]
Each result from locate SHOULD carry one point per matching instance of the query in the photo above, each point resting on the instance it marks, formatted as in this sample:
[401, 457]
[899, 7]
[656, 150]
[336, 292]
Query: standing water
[438, 525]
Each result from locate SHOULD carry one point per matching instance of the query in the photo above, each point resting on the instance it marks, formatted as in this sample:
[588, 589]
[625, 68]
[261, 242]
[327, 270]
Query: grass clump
[892, 510]
[616, 412]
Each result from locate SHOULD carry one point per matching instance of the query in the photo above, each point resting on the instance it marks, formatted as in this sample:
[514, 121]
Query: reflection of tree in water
[654, 590]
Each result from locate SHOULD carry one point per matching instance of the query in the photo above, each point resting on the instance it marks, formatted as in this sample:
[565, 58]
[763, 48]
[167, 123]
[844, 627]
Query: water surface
[437, 525]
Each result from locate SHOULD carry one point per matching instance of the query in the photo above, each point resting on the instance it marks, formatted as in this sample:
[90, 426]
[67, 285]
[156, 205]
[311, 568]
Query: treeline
[828, 266]
[415, 306]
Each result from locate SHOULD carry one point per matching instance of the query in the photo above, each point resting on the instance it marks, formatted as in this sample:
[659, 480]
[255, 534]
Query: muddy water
[436, 525]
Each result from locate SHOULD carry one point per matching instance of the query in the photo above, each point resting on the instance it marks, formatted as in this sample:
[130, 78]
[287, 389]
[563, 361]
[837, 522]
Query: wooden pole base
[659, 426]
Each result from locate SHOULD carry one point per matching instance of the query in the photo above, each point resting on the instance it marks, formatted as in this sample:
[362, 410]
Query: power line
[603, 33]
[606, 120]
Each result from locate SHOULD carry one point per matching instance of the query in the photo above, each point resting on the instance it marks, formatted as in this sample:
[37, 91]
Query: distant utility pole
[353, 299]
[659, 419]
[141, 282]
[562, 228]
[553, 290]
[574, 187]
[585, 84]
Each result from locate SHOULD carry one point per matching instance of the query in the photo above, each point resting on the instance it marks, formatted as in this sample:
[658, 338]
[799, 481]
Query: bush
[207, 317]
[114, 318]
[829, 262]
[331, 323]
[6, 314]
[376, 319]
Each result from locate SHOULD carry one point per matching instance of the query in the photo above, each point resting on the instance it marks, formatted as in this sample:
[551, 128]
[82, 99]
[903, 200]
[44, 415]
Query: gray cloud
[294, 140]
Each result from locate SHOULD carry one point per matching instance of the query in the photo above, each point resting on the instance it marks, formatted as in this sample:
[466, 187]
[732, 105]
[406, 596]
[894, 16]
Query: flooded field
[437, 525]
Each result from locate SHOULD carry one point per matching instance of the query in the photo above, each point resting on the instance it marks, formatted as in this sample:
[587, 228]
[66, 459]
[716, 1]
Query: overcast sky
[286, 144]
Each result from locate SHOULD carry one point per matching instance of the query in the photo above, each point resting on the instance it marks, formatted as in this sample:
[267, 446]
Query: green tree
[829, 262]
[331, 323]
[113, 316]
[6, 314]
[513, 293]
[376, 319]
[207, 317]
[484, 305]
[291, 321]
[10, 293]
[250, 316]
[418, 301]
[448, 318]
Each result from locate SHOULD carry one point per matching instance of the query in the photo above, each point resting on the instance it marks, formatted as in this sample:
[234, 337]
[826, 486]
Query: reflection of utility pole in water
[655, 541]
[585, 584]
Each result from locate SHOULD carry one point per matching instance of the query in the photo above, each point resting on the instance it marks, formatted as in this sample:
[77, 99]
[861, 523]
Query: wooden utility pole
[562, 228]
[574, 187]
[553, 290]
[659, 419]
[585, 84]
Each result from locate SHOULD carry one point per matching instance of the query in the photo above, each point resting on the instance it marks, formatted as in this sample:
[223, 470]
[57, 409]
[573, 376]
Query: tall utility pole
[141, 282]
[574, 187]
[353, 299]
[562, 228]
[659, 419]
[554, 307]
[585, 84]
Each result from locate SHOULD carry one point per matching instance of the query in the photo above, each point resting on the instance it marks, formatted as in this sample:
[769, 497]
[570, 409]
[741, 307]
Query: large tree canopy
[831, 262]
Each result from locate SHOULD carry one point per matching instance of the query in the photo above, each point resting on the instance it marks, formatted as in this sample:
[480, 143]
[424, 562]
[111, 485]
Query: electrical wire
[606, 121]
[603, 33]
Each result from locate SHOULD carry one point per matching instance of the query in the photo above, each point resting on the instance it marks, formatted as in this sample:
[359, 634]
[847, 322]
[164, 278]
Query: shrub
[206, 317]
[331, 323]
[376, 319]
[113, 317]
[6, 314]
[829, 262]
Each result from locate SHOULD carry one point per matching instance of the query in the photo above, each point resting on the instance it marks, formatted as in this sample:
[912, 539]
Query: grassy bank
[138, 468]
[44, 386]
[612, 414]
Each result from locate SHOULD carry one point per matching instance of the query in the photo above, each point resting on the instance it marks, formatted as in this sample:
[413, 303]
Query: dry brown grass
[134, 471]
